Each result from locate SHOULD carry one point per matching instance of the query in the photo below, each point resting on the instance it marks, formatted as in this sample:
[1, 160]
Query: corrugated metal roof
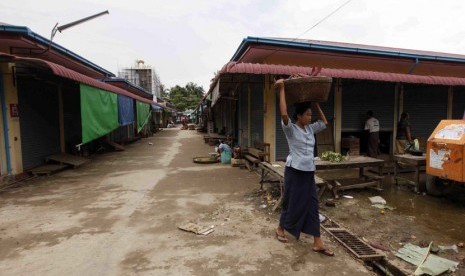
[254, 68]
[127, 85]
[348, 48]
[373, 47]
[23, 35]
[73, 75]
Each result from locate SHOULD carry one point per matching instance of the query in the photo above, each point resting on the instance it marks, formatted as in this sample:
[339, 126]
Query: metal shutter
[39, 121]
[72, 117]
[458, 107]
[256, 112]
[427, 106]
[243, 119]
[281, 147]
[327, 107]
[359, 97]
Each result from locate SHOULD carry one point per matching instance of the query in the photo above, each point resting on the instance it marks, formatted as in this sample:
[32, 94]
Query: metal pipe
[5, 127]
[77, 22]
[413, 66]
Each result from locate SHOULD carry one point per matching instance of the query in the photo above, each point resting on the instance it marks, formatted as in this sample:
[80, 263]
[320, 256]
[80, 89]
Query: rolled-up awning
[64, 72]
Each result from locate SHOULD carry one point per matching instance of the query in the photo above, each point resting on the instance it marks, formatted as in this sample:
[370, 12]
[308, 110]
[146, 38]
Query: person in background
[372, 127]
[404, 135]
[225, 152]
[299, 213]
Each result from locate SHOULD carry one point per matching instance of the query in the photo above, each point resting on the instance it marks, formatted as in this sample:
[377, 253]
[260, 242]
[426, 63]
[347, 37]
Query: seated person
[225, 152]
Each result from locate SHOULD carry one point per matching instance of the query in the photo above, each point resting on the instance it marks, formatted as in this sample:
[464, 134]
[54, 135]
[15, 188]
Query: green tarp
[143, 112]
[99, 112]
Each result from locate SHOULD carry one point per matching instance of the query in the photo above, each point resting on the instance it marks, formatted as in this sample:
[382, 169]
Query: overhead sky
[188, 41]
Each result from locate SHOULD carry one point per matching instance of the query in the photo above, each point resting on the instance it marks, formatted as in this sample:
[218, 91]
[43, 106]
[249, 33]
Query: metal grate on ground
[356, 246]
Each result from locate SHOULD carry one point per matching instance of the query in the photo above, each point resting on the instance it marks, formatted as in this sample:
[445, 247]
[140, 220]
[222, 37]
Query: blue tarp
[156, 107]
[125, 110]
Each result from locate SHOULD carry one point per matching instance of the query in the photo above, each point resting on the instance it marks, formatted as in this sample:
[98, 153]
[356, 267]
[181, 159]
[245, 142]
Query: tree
[187, 97]
[164, 92]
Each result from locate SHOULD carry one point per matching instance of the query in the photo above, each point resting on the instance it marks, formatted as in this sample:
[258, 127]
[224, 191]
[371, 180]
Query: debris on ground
[330, 203]
[382, 207]
[426, 263]
[380, 246]
[380, 203]
[197, 229]
[377, 200]
[449, 247]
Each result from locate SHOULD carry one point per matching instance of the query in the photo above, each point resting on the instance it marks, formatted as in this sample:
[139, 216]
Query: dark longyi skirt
[299, 213]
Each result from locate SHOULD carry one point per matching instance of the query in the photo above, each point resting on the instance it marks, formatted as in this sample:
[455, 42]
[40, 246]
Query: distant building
[142, 75]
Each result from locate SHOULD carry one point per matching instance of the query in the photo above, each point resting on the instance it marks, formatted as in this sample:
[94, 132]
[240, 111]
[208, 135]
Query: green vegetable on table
[334, 157]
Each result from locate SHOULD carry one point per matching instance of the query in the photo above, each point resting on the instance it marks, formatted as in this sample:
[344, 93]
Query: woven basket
[308, 89]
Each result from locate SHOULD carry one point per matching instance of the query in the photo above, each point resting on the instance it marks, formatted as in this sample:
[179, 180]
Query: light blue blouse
[301, 143]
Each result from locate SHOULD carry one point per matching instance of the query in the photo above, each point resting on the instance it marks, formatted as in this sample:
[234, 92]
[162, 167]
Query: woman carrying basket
[299, 212]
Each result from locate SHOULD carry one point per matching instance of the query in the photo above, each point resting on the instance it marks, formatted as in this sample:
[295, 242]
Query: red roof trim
[277, 69]
[254, 68]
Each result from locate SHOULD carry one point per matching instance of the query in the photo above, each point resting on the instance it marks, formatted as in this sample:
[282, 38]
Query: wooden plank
[64, 158]
[255, 152]
[47, 169]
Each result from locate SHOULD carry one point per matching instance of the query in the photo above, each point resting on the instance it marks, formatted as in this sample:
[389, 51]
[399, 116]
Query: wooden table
[355, 162]
[412, 161]
[274, 173]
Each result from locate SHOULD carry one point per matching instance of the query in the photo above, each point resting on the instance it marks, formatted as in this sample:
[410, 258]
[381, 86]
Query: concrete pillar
[12, 123]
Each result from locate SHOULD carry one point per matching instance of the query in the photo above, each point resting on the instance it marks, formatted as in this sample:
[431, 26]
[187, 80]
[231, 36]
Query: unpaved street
[118, 215]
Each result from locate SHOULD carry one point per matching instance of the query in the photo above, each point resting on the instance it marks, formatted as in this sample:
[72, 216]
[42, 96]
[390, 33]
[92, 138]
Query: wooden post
[249, 95]
[450, 102]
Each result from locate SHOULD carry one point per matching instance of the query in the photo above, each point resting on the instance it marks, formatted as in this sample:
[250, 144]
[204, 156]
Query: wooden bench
[259, 153]
[252, 158]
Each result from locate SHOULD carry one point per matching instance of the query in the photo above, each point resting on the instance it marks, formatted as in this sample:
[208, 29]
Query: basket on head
[307, 89]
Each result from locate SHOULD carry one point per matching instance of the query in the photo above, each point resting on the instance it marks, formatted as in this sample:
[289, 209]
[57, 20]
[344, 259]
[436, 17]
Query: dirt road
[118, 215]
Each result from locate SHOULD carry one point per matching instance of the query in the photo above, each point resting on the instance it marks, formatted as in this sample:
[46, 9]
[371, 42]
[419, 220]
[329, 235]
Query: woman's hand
[279, 83]
[316, 106]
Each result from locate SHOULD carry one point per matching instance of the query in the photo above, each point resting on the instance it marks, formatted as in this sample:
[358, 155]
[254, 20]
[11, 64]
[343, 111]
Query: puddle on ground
[446, 213]
[437, 214]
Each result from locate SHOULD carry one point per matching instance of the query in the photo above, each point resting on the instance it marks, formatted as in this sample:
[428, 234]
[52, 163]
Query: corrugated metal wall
[358, 97]
[281, 147]
[39, 121]
[72, 117]
[256, 112]
[427, 106]
[458, 107]
[243, 117]
[328, 107]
